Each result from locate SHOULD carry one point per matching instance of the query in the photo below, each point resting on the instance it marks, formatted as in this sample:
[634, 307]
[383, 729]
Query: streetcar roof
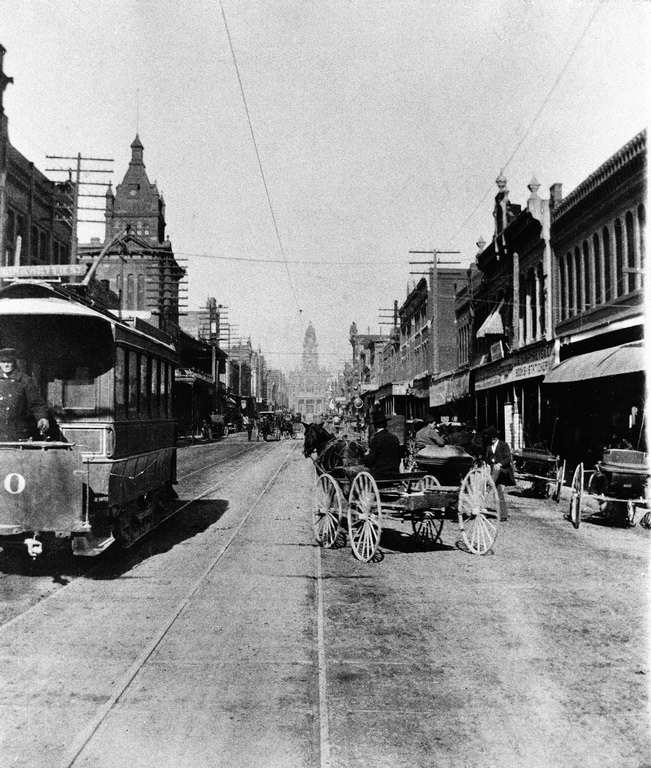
[49, 306]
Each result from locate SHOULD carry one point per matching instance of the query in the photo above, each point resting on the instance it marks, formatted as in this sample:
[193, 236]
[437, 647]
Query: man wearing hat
[498, 458]
[20, 401]
[384, 454]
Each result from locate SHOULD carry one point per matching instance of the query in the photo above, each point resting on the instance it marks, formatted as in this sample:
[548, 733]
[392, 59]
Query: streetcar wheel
[576, 491]
[560, 477]
[427, 524]
[479, 511]
[364, 517]
[328, 511]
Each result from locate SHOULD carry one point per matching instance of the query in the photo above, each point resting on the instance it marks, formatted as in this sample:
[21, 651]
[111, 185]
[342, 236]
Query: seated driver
[384, 453]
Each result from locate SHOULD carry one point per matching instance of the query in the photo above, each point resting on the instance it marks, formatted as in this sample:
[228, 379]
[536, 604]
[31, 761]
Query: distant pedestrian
[499, 460]
[249, 427]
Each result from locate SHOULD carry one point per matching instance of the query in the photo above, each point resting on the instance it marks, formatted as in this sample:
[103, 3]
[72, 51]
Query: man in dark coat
[384, 454]
[20, 401]
[498, 457]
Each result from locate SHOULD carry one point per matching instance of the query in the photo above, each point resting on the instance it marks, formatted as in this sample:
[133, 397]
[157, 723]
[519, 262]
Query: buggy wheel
[364, 517]
[327, 511]
[576, 491]
[558, 485]
[427, 524]
[479, 511]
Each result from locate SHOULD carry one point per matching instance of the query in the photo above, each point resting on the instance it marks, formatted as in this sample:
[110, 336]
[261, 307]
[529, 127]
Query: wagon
[357, 506]
[542, 469]
[619, 483]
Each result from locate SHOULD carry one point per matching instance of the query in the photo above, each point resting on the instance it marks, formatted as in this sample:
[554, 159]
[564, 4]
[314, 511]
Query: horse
[286, 428]
[333, 451]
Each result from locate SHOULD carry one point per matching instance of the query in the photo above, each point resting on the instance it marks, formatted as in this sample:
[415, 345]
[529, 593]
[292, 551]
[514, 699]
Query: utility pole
[432, 272]
[70, 213]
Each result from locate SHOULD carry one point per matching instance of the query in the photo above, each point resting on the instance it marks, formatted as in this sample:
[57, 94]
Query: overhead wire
[534, 119]
[257, 153]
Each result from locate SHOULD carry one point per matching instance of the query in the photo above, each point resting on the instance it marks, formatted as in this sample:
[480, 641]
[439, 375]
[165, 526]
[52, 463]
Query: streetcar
[106, 469]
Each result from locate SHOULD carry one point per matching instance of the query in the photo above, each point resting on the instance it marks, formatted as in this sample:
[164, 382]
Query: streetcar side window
[164, 390]
[145, 385]
[155, 387]
[121, 378]
[133, 374]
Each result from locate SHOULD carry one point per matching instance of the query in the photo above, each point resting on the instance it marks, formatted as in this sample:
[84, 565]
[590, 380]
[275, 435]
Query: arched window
[641, 219]
[620, 283]
[562, 282]
[570, 285]
[523, 326]
[630, 277]
[578, 276]
[608, 292]
[598, 266]
[542, 319]
[533, 307]
[587, 281]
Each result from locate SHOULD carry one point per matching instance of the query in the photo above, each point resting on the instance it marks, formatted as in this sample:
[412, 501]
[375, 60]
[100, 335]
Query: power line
[257, 153]
[535, 117]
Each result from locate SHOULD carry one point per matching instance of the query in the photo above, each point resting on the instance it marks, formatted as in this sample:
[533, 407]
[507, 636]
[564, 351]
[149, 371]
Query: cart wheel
[560, 477]
[364, 517]
[479, 511]
[328, 511]
[427, 524]
[576, 491]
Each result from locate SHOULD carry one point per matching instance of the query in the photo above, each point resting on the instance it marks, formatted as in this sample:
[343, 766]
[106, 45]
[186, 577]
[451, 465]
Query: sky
[305, 147]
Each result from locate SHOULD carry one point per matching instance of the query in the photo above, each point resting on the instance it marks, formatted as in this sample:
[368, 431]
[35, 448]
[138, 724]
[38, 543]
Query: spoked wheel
[364, 517]
[576, 491]
[427, 524]
[558, 485]
[479, 511]
[328, 511]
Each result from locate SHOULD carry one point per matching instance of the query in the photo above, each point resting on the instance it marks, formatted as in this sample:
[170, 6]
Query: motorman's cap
[7, 355]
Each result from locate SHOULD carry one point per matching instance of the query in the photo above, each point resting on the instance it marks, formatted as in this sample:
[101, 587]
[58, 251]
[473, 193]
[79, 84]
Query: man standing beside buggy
[20, 402]
[499, 460]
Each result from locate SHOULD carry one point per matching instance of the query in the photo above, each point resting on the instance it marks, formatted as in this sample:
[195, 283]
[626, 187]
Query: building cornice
[635, 148]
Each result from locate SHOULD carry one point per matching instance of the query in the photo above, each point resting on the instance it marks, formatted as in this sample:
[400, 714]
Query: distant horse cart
[542, 469]
[353, 503]
[620, 484]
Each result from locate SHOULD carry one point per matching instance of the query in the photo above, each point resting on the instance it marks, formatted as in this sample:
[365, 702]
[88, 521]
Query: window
[578, 276]
[607, 265]
[155, 388]
[621, 282]
[597, 268]
[570, 285]
[134, 373]
[144, 388]
[121, 377]
[587, 282]
[141, 293]
[79, 391]
[630, 277]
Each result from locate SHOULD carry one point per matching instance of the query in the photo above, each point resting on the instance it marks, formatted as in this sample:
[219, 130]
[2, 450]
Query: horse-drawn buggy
[620, 484]
[268, 426]
[349, 501]
[542, 469]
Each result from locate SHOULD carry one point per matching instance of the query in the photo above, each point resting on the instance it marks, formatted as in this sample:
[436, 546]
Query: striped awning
[613, 361]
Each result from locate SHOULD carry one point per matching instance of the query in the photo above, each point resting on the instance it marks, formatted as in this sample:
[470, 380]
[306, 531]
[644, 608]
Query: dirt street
[228, 638]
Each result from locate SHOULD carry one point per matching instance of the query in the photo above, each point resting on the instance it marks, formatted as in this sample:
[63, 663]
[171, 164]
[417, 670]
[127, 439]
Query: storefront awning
[492, 325]
[614, 361]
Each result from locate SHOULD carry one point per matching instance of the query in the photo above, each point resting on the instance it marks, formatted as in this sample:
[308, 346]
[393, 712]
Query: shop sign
[497, 351]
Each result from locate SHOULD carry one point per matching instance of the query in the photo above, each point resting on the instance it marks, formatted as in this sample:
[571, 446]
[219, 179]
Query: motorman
[20, 402]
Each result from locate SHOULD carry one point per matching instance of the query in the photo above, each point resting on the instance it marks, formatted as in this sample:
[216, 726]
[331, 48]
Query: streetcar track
[96, 569]
[213, 464]
[87, 734]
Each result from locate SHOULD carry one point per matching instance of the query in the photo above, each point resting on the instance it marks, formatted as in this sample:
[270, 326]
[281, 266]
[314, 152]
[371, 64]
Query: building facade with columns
[597, 387]
[310, 387]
